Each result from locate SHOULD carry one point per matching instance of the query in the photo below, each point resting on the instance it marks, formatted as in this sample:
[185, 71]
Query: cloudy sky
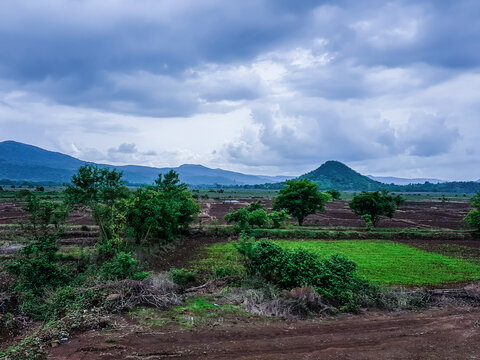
[259, 86]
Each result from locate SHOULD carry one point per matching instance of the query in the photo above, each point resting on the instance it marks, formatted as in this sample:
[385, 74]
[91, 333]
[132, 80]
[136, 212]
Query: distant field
[381, 262]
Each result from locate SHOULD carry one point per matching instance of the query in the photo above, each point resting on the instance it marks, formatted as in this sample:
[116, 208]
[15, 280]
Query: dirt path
[435, 334]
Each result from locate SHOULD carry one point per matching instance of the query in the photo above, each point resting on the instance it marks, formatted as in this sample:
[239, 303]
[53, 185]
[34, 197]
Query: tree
[248, 216]
[473, 217]
[334, 193]
[42, 214]
[375, 204]
[162, 211]
[92, 185]
[301, 198]
[99, 189]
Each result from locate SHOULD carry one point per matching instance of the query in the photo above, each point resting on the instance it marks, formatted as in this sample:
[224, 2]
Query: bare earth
[434, 334]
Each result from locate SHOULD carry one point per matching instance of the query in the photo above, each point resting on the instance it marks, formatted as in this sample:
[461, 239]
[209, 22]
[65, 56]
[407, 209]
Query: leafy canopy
[301, 198]
[255, 215]
[375, 204]
[473, 217]
[162, 211]
[91, 185]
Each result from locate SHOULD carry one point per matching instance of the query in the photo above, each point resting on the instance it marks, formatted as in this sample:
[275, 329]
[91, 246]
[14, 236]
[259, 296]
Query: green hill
[22, 162]
[334, 174]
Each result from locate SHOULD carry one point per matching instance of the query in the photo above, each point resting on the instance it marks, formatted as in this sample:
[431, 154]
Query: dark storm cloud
[348, 80]
[73, 52]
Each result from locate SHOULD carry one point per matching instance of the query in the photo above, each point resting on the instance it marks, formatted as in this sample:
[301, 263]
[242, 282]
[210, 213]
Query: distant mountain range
[404, 181]
[21, 162]
[24, 162]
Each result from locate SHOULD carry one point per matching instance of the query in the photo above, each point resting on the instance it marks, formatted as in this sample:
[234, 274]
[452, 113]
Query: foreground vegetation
[63, 292]
[381, 262]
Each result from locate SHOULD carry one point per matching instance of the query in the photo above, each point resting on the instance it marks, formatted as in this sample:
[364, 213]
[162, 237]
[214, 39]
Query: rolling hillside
[30, 163]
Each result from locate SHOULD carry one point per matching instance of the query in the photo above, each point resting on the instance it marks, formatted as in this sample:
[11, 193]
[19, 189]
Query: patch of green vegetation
[381, 262]
[195, 312]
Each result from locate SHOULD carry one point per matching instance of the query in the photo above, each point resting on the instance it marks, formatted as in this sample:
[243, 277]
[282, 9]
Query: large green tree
[473, 217]
[300, 198]
[160, 212]
[375, 205]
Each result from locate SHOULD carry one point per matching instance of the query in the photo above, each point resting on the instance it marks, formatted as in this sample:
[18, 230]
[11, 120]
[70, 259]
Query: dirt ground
[11, 212]
[411, 214]
[434, 334]
[424, 214]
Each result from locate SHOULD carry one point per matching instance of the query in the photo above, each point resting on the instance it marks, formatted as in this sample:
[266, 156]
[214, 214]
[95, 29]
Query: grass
[195, 311]
[381, 262]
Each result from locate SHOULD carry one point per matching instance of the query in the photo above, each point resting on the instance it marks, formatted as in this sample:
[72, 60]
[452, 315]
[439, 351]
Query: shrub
[183, 276]
[277, 218]
[122, 266]
[297, 268]
[247, 217]
[375, 204]
[36, 268]
[334, 193]
[473, 219]
[368, 221]
[335, 278]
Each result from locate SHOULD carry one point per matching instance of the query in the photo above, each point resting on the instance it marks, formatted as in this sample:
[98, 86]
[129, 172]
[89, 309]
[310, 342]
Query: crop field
[382, 262]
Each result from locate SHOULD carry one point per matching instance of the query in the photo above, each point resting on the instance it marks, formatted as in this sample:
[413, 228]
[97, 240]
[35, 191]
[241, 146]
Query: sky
[258, 86]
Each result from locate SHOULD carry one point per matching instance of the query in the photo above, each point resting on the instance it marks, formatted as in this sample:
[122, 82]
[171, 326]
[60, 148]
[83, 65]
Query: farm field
[436, 251]
[382, 262]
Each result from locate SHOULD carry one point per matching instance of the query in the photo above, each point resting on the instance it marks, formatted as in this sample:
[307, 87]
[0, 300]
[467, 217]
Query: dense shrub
[162, 212]
[334, 193]
[122, 266]
[335, 278]
[36, 268]
[247, 217]
[473, 217]
[277, 218]
[254, 215]
[183, 276]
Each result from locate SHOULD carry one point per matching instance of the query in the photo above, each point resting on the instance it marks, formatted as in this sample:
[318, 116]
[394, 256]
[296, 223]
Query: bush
[473, 219]
[335, 278]
[277, 218]
[183, 276]
[141, 275]
[298, 268]
[36, 268]
[122, 266]
[368, 221]
[334, 193]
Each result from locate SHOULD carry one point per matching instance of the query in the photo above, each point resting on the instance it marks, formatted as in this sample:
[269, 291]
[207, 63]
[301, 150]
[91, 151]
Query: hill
[24, 162]
[334, 174]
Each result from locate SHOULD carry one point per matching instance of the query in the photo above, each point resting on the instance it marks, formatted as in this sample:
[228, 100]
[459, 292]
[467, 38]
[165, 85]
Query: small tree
[301, 198]
[277, 218]
[99, 189]
[44, 217]
[248, 216]
[473, 217]
[162, 211]
[375, 204]
[334, 193]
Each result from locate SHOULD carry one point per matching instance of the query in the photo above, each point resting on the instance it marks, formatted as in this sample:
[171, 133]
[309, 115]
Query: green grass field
[381, 262]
